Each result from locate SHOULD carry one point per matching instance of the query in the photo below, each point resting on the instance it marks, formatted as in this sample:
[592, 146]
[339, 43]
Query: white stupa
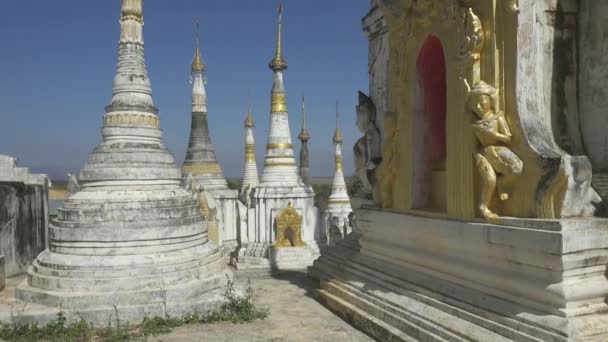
[336, 217]
[281, 192]
[132, 240]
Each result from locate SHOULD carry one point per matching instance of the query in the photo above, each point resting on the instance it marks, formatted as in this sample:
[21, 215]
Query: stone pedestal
[292, 258]
[260, 235]
[23, 215]
[409, 277]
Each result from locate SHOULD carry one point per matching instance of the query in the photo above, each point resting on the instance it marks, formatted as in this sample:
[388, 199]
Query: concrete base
[137, 286]
[174, 302]
[413, 278]
[260, 256]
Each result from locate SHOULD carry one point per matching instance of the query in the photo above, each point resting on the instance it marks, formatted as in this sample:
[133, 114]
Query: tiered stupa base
[132, 250]
[407, 278]
[257, 251]
[174, 284]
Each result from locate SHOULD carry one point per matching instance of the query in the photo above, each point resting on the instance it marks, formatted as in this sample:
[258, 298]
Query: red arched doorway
[430, 127]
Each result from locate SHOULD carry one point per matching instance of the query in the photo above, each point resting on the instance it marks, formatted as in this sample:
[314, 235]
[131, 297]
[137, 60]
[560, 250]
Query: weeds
[235, 309]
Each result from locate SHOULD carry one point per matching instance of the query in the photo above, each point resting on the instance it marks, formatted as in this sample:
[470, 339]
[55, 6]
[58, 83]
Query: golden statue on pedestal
[289, 221]
[496, 163]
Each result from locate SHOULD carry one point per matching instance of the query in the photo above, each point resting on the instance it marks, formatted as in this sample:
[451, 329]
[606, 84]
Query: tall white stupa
[201, 163]
[336, 216]
[281, 192]
[132, 240]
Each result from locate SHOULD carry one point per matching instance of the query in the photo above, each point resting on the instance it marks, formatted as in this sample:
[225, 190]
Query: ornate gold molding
[339, 163]
[338, 201]
[131, 120]
[271, 164]
[289, 219]
[278, 103]
[282, 146]
[249, 153]
[202, 169]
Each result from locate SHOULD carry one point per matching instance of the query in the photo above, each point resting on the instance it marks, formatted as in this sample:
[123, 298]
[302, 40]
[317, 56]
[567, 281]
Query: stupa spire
[338, 200]
[250, 171]
[200, 160]
[280, 164]
[198, 66]
[131, 88]
[304, 154]
[278, 63]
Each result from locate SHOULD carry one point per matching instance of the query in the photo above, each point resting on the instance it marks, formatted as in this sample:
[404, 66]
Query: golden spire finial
[278, 63]
[197, 63]
[337, 134]
[304, 135]
[249, 119]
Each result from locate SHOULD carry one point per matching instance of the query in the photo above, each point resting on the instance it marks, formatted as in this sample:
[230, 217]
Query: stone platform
[415, 278]
[174, 301]
[262, 257]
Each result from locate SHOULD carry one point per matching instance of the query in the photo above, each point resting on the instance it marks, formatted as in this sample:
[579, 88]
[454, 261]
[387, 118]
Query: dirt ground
[294, 316]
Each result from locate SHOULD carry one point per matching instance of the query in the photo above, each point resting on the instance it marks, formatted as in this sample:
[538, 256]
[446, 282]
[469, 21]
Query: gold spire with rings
[304, 135]
[249, 123]
[278, 63]
[197, 62]
[337, 134]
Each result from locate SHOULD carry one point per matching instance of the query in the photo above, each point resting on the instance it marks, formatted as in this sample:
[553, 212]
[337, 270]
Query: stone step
[395, 309]
[121, 296]
[96, 283]
[359, 318]
[362, 276]
[403, 320]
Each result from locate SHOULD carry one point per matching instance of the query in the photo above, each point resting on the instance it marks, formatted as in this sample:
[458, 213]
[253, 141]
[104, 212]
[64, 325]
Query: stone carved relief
[496, 163]
[245, 196]
[335, 232]
[289, 220]
[368, 149]
[73, 186]
[390, 158]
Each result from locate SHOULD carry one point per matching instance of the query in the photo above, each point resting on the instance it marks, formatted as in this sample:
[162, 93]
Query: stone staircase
[388, 308]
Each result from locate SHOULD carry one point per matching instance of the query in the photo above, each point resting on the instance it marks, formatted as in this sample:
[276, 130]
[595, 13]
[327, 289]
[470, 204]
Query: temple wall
[23, 216]
[593, 80]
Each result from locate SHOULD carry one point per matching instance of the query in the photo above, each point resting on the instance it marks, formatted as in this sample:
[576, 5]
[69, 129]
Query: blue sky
[57, 61]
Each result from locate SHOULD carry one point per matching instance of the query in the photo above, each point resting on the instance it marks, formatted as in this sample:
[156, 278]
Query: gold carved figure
[496, 163]
[473, 32]
[289, 220]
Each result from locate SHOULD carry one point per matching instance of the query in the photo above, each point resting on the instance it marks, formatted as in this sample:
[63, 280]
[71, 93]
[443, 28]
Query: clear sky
[57, 61]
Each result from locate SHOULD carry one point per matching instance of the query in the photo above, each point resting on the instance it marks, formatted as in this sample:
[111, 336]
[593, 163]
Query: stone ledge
[525, 284]
[2, 274]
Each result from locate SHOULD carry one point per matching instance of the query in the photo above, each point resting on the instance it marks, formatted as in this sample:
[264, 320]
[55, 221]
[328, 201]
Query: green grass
[235, 309]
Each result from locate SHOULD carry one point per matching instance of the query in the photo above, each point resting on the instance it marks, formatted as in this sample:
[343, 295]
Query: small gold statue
[289, 219]
[495, 158]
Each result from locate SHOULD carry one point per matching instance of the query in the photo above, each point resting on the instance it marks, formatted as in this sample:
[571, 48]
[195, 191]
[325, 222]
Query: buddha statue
[368, 149]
